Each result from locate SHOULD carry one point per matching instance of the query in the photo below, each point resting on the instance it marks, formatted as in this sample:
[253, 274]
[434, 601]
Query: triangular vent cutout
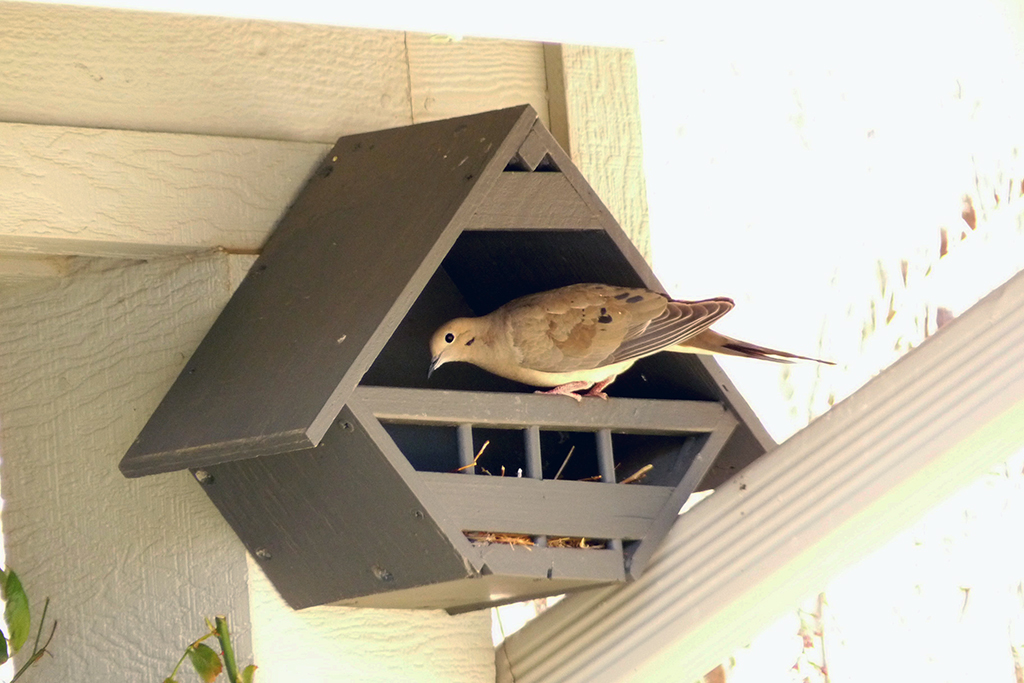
[517, 165]
[547, 165]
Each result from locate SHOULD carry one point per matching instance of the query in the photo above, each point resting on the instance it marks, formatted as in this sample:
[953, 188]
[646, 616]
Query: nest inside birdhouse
[488, 538]
[492, 538]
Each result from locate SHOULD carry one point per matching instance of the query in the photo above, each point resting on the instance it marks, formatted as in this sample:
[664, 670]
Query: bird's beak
[435, 363]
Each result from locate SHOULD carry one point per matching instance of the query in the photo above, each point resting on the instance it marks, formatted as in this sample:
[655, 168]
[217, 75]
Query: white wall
[132, 566]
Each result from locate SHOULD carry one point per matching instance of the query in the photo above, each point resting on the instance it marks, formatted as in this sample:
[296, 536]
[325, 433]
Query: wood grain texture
[558, 112]
[598, 114]
[114, 192]
[17, 268]
[131, 566]
[127, 193]
[219, 76]
[454, 77]
[180, 73]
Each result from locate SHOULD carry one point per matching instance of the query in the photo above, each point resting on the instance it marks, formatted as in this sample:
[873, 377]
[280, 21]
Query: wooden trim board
[426, 406]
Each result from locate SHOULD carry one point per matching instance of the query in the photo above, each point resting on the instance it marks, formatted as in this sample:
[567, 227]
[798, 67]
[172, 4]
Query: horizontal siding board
[244, 78]
[451, 77]
[190, 74]
[129, 193]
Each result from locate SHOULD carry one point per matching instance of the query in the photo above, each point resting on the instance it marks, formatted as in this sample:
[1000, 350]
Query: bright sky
[790, 149]
[793, 154]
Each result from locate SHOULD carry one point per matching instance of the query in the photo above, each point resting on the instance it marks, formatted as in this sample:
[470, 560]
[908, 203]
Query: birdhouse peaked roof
[492, 196]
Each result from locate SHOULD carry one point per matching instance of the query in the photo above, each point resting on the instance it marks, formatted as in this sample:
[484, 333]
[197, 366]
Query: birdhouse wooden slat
[307, 416]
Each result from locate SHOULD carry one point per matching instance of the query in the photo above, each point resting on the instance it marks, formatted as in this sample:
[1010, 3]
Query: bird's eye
[449, 338]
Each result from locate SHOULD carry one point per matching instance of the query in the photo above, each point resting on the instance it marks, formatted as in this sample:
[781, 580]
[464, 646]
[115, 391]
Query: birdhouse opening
[641, 459]
[428, 448]
[465, 421]
[537, 470]
[485, 269]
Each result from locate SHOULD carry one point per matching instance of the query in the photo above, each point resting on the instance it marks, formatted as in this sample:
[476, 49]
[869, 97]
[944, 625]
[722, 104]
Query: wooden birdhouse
[307, 416]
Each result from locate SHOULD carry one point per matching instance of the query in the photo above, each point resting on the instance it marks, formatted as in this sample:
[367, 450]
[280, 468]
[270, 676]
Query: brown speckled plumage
[585, 335]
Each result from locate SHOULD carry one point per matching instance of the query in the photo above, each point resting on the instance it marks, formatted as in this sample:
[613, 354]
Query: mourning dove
[583, 336]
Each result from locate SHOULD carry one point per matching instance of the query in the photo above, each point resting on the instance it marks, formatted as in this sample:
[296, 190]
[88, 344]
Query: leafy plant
[19, 623]
[207, 662]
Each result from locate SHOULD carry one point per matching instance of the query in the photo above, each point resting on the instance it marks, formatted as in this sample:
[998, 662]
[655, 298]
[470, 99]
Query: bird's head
[453, 341]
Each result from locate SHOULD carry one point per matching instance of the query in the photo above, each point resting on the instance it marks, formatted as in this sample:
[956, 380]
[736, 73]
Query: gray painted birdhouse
[307, 416]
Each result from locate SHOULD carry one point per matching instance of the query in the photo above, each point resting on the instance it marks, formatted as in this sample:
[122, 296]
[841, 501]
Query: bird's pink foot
[567, 389]
[598, 389]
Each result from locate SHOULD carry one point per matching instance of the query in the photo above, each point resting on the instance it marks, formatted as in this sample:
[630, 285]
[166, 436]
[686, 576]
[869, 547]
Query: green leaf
[249, 674]
[170, 680]
[4, 655]
[206, 662]
[16, 613]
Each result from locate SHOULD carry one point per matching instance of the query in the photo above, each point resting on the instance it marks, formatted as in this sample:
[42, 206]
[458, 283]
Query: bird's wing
[681, 320]
[588, 326]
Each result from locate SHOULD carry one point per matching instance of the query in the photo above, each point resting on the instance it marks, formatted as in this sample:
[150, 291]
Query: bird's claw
[571, 394]
[568, 389]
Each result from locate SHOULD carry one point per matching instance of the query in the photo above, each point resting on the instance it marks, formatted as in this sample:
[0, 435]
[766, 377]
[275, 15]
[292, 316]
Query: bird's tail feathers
[713, 342]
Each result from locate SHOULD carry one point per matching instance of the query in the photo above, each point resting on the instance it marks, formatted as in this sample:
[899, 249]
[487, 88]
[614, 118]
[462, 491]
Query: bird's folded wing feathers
[591, 325]
[681, 320]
